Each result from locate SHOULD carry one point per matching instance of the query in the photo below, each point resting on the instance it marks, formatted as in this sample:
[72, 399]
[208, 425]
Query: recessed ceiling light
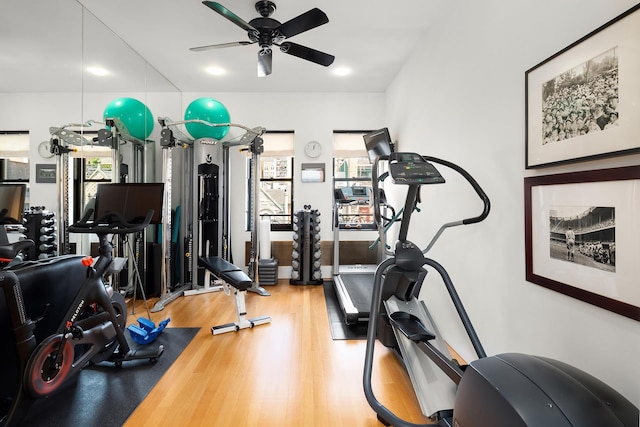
[341, 71]
[215, 71]
[98, 71]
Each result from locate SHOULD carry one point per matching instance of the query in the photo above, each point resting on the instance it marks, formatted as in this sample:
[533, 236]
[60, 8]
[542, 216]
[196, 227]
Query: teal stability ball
[208, 110]
[133, 114]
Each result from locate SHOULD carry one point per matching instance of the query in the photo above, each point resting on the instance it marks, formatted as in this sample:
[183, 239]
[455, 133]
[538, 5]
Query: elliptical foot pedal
[411, 326]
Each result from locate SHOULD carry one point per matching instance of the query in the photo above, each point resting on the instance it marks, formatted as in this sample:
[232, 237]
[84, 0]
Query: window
[276, 180]
[14, 156]
[95, 164]
[352, 180]
[14, 159]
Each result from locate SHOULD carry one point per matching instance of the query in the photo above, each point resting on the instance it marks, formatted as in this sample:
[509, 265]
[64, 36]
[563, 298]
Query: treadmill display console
[412, 169]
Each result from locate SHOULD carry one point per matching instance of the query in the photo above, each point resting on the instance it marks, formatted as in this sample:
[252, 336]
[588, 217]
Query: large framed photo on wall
[582, 236]
[583, 103]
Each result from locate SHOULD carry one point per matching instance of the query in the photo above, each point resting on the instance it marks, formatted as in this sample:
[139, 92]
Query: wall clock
[44, 149]
[313, 149]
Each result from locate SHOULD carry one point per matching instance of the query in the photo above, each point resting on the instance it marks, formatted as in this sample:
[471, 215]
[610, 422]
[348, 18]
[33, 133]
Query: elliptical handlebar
[408, 205]
[111, 223]
[377, 216]
[479, 191]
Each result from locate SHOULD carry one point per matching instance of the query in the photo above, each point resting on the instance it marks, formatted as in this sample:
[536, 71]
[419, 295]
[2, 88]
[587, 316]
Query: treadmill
[353, 283]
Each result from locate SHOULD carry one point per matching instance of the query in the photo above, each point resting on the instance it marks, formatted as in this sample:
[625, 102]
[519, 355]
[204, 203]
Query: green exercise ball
[133, 114]
[209, 110]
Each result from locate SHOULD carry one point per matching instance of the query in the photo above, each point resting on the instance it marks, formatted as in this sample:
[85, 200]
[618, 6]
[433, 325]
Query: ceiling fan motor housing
[265, 8]
[267, 34]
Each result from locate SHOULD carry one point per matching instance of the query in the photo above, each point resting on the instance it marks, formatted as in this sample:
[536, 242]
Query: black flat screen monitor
[378, 143]
[12, 203]
[131, 200]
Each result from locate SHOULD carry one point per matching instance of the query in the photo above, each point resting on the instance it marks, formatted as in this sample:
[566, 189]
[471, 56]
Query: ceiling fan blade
[307, 53]
[265, 58]
[229, 15]
[219, 46]
[308, 20]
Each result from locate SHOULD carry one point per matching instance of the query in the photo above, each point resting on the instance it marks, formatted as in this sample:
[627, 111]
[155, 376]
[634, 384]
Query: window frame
[9, 157]
[364, 226]
[291, 180]
[80, 182]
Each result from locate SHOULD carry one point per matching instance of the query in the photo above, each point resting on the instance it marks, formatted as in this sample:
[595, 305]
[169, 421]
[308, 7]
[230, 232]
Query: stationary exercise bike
[506, 390]
[91, 331]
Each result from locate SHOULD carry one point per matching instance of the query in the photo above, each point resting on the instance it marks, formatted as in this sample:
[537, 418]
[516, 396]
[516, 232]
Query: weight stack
[268, 271]
[306, 254]
[41, 227]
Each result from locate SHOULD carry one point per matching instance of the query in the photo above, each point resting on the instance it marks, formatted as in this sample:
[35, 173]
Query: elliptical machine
[506, 390]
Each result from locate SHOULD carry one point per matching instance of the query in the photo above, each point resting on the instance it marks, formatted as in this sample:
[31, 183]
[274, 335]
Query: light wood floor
[286, 373]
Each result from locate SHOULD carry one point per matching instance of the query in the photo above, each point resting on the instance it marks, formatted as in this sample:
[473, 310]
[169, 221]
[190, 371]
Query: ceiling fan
[267, 32]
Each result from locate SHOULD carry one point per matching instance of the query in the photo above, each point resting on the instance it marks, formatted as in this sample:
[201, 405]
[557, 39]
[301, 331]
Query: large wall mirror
[60, 65]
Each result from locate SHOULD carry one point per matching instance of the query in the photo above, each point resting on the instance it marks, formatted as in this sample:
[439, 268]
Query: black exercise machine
[507, 390]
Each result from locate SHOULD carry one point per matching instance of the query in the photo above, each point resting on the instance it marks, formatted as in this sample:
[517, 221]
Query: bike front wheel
[44, 375]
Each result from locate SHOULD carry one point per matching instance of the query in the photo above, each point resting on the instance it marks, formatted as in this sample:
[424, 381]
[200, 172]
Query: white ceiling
[44, 44]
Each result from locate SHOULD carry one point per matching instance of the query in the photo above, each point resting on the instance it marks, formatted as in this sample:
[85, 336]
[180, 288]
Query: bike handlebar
[111, 223]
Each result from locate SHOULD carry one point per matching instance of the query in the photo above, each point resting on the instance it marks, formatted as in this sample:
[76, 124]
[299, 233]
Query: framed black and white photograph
[46, 173]
[582, 236]
[583, 102]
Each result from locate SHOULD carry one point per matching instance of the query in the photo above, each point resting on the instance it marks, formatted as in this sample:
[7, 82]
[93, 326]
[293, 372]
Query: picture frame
[600, 208]
[46, 173]
[312, 172]
[582, 103]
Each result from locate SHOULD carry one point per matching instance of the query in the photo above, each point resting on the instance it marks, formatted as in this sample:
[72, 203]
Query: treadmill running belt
[360, 287]
[339, 329]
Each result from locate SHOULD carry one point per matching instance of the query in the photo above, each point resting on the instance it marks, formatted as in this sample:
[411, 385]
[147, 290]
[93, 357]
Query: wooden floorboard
[286, 373]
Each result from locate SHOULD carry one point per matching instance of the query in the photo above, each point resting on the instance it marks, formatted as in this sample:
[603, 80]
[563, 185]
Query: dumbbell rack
[40, 227]
[306, 254]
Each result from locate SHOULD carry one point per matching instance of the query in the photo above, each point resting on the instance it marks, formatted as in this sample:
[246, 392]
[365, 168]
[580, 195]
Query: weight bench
[214, 264]
[233, 277]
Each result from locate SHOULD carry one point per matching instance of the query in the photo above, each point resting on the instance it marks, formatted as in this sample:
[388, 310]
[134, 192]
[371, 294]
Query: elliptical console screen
[377, 143]
[412, 169]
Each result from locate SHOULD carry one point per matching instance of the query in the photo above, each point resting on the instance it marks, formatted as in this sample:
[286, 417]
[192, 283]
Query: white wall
[461, 98]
